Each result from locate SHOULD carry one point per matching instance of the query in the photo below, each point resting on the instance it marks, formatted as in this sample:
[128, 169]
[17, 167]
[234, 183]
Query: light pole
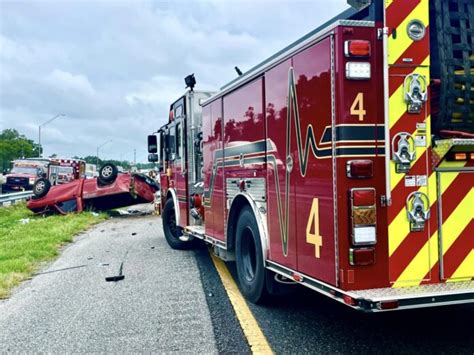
[100, 146]
[39, 132]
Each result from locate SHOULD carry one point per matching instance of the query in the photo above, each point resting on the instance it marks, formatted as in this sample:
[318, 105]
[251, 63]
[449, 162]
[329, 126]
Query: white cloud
[74, 84]
[113, 67]
[152, 92]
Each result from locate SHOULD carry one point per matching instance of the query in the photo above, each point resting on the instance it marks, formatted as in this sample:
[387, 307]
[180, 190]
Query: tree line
[14, 145]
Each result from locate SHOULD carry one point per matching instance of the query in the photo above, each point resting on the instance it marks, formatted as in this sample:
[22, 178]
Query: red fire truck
[344, 162]
[70, 169]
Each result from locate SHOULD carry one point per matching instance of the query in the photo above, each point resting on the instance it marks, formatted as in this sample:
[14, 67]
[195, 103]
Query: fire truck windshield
[24, 170]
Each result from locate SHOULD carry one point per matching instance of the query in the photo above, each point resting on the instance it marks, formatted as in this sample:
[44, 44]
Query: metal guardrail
[14, 197]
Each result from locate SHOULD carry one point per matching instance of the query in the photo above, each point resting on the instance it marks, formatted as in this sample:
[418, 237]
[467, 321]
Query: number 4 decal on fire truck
[357, 108]
[312, 229]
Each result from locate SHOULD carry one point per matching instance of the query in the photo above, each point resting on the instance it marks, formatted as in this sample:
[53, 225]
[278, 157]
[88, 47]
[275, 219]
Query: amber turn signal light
[460, 156]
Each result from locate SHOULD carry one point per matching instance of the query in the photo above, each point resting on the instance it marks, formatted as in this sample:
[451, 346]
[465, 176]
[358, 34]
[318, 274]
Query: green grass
[23, 247]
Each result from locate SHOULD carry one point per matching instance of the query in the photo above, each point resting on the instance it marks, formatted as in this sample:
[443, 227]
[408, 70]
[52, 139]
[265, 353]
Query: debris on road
[58, 270]
[133, 212]
[120, 275]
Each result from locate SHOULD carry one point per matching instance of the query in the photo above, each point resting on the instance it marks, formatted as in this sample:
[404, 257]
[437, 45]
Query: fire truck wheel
[41, 187]
[108, 173]
[172, 231]
[249, 258]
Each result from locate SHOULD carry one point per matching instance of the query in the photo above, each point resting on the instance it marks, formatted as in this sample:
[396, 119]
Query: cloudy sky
[113, 67]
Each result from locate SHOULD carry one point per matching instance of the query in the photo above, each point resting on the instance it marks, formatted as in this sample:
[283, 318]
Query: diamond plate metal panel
[442, 289]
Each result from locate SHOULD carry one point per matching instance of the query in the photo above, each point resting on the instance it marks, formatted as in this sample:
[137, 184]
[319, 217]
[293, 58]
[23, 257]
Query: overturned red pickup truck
[110, 190]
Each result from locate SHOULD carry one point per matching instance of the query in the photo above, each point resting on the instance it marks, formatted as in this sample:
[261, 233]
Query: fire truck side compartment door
[313, 172]
[213, 175]
[456, 223]
[281, 204]
[411, 222]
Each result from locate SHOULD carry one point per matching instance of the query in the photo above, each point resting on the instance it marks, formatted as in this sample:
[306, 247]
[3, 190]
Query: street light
[100, 146]
[39, 131]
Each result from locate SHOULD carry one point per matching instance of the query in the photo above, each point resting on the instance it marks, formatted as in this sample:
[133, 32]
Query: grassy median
[27, 240]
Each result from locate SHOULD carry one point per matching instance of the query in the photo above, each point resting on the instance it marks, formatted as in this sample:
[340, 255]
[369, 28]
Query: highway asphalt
[306, 322]
[160, 306]
[174, 302]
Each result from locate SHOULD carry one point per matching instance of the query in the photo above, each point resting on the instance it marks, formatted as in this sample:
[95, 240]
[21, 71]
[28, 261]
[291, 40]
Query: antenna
[239, 72]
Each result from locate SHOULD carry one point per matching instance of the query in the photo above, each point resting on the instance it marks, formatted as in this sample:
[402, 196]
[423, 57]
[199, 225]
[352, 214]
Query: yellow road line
[255, 337]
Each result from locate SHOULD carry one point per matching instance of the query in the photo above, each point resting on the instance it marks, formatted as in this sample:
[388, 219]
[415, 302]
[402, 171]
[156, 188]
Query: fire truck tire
[41, 187]
[249, 258]
[108, 173]
[172, 231]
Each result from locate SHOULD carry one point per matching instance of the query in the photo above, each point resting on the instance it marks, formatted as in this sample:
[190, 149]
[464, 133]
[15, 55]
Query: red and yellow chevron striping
[453, 228]
[454, 191]
[465, 268]
[457, 258]
[407, 57]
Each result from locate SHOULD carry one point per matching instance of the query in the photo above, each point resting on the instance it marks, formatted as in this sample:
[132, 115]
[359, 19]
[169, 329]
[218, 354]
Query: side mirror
[152, 144]
[153, 158]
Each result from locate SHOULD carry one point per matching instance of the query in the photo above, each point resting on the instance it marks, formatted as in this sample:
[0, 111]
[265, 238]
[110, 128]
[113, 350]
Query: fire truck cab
[344, 162]
[25, 172]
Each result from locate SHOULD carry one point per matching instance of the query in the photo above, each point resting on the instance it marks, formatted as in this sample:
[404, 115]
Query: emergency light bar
[460, 156]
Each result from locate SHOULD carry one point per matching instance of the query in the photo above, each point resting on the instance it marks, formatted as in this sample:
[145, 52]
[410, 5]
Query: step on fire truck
[344, 162]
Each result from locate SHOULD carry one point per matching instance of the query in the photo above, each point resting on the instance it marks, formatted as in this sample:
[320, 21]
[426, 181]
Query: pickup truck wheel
[41, 187]
[249, 258]
[172, 231]
[108, 173]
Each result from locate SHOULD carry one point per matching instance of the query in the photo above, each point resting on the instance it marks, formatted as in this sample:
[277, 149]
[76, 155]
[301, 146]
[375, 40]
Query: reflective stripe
[400, 224]
[452, 229]
[400, 44]
[464, 269]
